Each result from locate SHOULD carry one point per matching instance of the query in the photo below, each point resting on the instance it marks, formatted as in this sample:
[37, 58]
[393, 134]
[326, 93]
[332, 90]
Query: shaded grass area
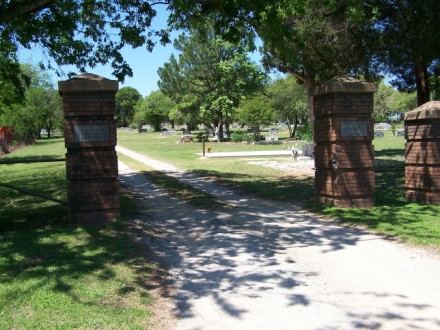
[53, 150]
[392, 215]
[282, 188]
[56, 277]
[175, 187]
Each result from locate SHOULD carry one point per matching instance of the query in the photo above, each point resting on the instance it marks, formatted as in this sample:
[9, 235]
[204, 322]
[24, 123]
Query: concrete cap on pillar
[87, 82]
[429, 110]
[344, 84]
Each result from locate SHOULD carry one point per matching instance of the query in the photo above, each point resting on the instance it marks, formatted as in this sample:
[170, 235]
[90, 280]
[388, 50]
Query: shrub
[306, 132]
[239, 136]
[199, 136]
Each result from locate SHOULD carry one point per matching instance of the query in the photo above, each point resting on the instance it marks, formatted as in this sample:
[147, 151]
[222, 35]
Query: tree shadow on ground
[30, 159]
[40, 255]
[243, 253]
[299, 189]
[389, 153]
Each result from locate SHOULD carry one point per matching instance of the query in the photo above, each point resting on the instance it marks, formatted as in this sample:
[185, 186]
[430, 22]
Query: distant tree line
[39, 109]
[312, 41]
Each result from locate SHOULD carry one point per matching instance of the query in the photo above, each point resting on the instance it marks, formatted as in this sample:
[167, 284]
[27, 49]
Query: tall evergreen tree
[213, 73]
[410, 42]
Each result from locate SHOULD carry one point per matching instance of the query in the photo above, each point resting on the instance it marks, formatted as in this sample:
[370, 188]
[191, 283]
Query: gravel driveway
[258, 264]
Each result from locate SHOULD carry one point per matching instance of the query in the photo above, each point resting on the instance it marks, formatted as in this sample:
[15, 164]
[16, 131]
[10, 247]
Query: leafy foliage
[154, 109]
[126, 100]
[83, 33]
[210, 76]
[314, 40]
[41, 108]
[410, 42]
[290, 101]
[256, 112]
[388, 101]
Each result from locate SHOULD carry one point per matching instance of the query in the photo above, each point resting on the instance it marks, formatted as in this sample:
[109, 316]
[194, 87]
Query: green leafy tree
[409, 32]
[83, 33]
[126, 100]
[213, 74]
[434, 83]
[389, 102]
[383, 106]
[290, 101]
[47, 106]
[256, 112]
[13, 81]
[311, 40]
[154, 109]
[41, 108]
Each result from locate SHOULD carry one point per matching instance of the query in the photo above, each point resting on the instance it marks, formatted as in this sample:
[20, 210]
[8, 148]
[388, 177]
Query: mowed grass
[414, 223]
[235, 171]
[56, 277]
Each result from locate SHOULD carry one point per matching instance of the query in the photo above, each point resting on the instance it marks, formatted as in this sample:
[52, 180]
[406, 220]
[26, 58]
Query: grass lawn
[56, 277]
[53, 276]
[392, 215]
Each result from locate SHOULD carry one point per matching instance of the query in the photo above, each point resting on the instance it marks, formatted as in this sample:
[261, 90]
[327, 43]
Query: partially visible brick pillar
[90, 139]
[343, 130]
[422, 154]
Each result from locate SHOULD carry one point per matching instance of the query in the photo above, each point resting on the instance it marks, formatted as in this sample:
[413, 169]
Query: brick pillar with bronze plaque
[422, 154]
[343, 130]
[90, 138]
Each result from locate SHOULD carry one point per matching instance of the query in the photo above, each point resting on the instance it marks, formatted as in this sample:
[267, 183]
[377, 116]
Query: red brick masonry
[422, 154]
[91, 160]
[344, 158]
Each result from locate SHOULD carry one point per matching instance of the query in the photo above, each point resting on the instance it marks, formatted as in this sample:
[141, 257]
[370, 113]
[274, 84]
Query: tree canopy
[410, 42]
[154, 109]
[83, 33]
[290, 101]
[126, 100]
[41, 107]
[211, 76]
[256, 112]
[316, 40]
[313, 40]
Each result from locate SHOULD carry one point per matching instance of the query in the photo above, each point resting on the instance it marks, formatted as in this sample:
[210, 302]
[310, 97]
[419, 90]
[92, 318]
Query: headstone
[382, 126]
[274, 131]
[308, 150]
[90, 139]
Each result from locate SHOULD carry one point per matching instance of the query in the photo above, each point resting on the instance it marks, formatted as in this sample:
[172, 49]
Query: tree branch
[27, 7]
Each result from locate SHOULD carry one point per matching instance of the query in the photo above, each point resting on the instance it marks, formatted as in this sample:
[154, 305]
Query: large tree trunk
[422, 84]
[309, 84]
[219, 127]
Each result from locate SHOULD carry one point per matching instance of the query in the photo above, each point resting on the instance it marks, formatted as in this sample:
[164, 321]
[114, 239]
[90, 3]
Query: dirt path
[265, 265]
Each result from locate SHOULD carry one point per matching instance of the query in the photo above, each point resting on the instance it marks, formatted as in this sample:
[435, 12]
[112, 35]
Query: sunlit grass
[392, 215]
[56, 277]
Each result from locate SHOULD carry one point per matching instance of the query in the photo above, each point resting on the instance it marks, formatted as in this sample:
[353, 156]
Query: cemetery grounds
[51, 274]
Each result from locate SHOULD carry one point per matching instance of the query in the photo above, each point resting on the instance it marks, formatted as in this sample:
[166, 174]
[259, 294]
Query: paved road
[265, 265]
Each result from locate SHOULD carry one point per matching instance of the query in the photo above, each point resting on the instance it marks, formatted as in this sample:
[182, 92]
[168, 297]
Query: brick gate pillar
[422, 154]
[343, 130]
[90, 139]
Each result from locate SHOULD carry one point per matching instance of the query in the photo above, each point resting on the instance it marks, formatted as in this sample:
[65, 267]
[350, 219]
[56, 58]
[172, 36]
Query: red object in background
[5, 135]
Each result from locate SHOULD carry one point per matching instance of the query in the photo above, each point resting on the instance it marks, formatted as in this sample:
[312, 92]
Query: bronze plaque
[354, 128]
[91, 133]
